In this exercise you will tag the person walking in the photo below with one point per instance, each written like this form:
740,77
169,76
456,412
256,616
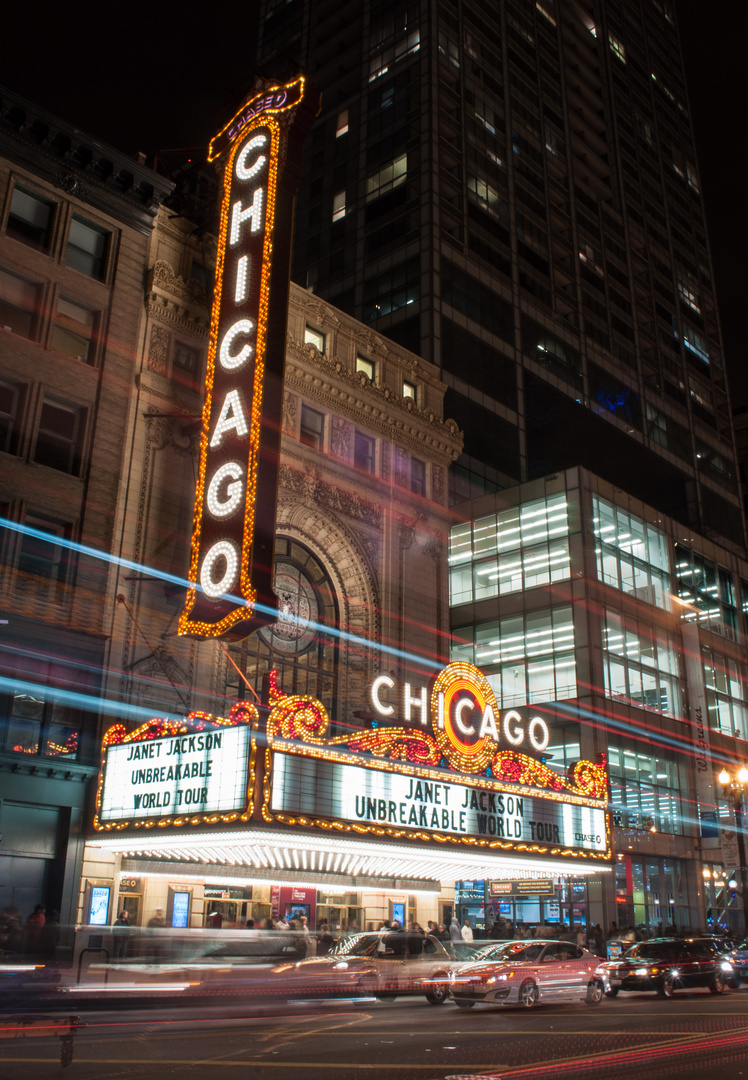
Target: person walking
121,935
454,929
34,925
467,931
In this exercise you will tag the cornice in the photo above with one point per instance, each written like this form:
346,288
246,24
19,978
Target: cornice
400,419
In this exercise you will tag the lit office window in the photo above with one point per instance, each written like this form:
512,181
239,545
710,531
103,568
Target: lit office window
617,47
517,548
314,337
645,791
640,664
725,681
388,177
631,555
338,206
528,658
706,593
342,124
366,367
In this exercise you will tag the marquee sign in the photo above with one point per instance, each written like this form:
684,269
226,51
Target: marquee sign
453,771
234,520
177,771
464,781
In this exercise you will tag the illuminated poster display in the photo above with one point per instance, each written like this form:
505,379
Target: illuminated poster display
234,520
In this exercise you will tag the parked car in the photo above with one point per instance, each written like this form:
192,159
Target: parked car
666,964
526,973
740,961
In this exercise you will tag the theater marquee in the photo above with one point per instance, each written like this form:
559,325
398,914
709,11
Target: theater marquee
234,520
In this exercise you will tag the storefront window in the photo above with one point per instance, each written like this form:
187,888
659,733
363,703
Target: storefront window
652,896
515,549
722,901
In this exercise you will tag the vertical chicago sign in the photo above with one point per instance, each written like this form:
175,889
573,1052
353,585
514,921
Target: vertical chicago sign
231,566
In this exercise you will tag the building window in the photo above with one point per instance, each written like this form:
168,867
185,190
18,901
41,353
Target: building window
645,791
366,366
380,64
695,344
19,302
689,295
10,412
631,555
30,219
342,124
315,337
617,47
73,330
392,290
186,358
312,431
527,658
409,390
388,177
59,436
484,194
338,206
640,664
417,476
706,593
40,556
363,452
724,680
37,724
88,248
515,549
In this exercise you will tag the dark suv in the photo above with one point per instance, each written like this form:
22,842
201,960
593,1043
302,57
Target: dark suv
668,964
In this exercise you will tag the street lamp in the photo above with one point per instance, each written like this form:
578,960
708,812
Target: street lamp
734,789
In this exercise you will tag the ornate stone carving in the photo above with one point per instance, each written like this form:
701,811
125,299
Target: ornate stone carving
340,438
190,292
437,484
308,485
401,467
290,402
158,350
386,457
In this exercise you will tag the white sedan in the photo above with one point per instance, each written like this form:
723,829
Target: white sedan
525,973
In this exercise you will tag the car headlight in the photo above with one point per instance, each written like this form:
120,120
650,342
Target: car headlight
342,965
726,965
644,971
496,978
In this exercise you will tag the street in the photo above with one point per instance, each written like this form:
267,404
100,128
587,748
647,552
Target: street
695,1035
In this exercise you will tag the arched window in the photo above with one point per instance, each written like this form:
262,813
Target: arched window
296,645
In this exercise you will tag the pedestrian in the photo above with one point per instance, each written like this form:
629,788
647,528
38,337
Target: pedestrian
454,929
11,929
49,938
121,935
250,924
326,940
158,920
466,933
34,925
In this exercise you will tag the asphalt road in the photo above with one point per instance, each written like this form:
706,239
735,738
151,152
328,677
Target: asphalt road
695,1035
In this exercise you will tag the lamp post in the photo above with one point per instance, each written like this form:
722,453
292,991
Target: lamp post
734,788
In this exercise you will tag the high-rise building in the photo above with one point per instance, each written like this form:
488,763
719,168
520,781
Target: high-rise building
511,191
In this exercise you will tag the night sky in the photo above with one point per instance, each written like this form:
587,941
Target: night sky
178,74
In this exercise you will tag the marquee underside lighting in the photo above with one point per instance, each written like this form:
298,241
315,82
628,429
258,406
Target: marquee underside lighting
291,853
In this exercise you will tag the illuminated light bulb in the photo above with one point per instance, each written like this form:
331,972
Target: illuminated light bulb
233,472
724,777
229,361
230,418
244,173
224,549
252,213
242,277
743,775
